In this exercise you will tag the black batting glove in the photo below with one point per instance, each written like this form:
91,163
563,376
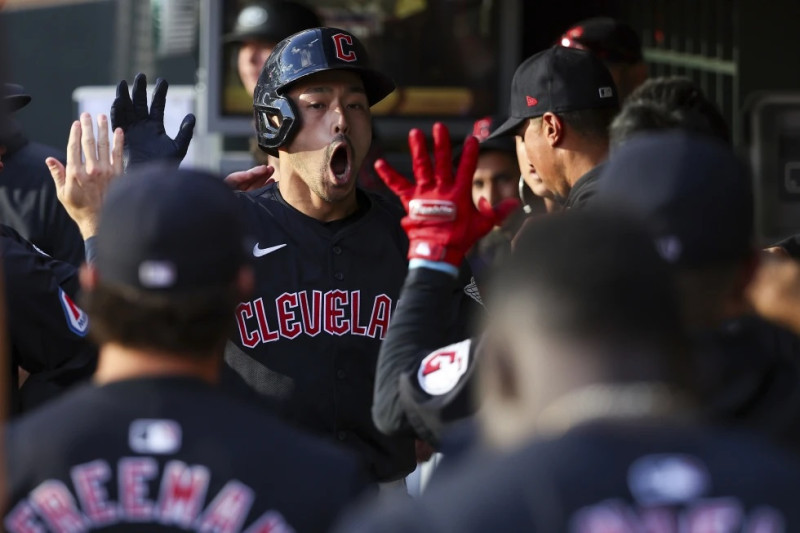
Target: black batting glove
145,137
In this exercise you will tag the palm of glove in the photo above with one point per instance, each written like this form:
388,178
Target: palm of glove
145,137
442,223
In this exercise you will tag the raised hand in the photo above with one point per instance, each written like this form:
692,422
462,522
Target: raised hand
250,180
442,222
145,137
91,165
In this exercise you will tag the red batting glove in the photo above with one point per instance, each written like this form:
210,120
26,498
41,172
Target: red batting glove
442,221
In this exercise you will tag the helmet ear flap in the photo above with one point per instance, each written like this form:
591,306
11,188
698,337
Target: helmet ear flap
276,121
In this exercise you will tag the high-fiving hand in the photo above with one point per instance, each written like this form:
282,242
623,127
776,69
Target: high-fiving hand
145,137
442,222
91,165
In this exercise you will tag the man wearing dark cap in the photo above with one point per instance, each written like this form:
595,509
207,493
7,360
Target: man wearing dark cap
616,44
562,101
588,406
259,27
697,198
27,198
151,444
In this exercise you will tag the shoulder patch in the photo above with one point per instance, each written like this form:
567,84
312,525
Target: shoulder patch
77,319
441,370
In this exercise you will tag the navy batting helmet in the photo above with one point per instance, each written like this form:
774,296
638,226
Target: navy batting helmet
296,57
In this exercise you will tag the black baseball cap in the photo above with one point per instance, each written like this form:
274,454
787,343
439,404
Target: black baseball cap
14,97
609,39
693,191
271,20
557,80
168,230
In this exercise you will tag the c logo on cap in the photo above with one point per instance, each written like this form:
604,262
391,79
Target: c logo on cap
338,41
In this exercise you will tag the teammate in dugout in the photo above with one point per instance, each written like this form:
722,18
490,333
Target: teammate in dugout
421,389
588,393
562,100
329,257
46,329
151,444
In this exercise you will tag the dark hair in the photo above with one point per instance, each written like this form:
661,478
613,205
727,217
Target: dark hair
596,278
668,103
591,123
195,324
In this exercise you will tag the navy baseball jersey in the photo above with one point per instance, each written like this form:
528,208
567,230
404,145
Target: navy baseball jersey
169,454
47,329
309,338
28,201
620,476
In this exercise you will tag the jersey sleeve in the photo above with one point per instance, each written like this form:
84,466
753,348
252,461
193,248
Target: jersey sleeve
47,329
416,379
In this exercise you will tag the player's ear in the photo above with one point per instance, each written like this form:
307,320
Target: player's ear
552,128
88,276
245,281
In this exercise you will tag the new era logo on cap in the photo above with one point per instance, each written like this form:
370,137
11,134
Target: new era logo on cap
531,101
606,92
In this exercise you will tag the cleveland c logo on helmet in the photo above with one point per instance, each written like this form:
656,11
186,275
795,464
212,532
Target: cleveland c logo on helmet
339,40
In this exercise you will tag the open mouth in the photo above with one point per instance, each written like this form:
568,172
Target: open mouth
340,163
534,176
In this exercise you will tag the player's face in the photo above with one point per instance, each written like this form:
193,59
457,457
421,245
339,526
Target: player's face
540,155
495,177
334,136
250,60
529,174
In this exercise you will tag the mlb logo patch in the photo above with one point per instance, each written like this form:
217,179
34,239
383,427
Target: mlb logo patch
606,92
77,319
154,436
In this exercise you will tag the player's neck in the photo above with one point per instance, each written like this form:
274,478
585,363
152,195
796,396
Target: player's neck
584,159
118,362
298,195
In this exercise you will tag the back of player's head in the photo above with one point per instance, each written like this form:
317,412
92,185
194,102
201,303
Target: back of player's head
563,81
585,300
668,103
591,278
170,253
692,190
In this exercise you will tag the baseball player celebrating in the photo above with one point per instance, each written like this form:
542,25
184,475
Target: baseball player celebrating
329,257
151,445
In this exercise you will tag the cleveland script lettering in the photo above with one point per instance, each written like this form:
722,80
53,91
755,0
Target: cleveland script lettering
310,313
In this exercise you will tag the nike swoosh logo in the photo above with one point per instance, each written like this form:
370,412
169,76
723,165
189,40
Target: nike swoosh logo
261,252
